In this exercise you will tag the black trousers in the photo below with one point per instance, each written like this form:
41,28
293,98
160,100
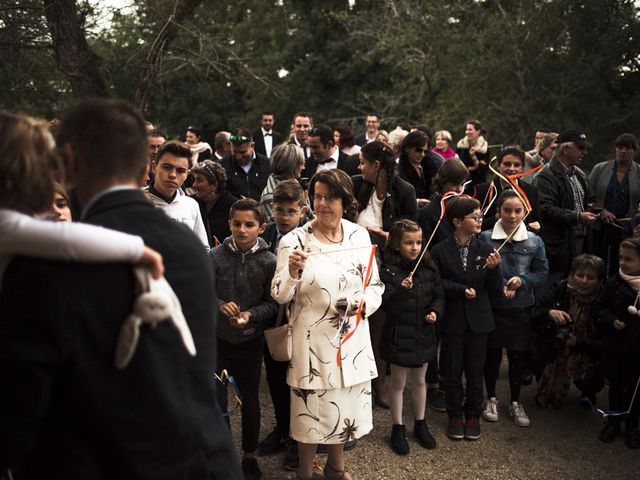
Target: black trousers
464,352
622,371
244,362
279,390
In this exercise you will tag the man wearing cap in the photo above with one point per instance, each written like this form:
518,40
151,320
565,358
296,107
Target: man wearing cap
326,154
247,171
565,197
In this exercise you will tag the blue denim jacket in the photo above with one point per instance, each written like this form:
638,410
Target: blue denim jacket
525,259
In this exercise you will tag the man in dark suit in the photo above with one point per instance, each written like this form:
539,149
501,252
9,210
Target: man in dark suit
265,137
326,154
247,170
302,123
373,127
66,411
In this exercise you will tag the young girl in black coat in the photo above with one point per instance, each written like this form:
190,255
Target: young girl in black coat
621,343
412,304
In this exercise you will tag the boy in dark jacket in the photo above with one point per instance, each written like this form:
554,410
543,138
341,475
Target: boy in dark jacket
469,268
289,211
244,269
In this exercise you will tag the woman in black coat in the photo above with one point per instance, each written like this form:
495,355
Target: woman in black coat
413,304
416,165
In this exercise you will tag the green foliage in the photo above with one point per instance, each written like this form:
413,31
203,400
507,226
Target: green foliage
514,64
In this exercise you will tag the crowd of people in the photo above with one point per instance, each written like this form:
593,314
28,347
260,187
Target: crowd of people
389,256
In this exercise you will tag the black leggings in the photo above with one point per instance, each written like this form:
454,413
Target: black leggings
492,367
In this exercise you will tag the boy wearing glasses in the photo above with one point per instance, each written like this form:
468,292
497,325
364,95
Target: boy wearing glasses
469,268
247,170
289,212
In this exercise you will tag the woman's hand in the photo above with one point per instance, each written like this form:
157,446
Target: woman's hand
377,231
153,261
407,283
618,325
431,317
534,227
560,317
297,259
493,260
470,293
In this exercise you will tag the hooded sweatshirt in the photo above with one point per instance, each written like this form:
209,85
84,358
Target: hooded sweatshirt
244,278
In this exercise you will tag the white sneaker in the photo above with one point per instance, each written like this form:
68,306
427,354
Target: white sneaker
490,410
519,417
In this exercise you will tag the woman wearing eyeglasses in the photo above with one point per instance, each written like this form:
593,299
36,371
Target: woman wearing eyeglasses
321,267
416,166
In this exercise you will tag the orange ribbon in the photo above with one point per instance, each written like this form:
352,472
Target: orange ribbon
367,277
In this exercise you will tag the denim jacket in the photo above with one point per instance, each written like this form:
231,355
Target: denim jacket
523,256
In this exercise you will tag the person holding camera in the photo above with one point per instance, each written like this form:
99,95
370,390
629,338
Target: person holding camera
570,344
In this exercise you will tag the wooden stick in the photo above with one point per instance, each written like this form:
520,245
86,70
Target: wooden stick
424,250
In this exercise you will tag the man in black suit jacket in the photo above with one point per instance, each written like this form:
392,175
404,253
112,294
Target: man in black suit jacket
247,170
66,411
265,137
327,155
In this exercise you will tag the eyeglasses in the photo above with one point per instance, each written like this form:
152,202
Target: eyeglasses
239,138
286,213
327,198
476,218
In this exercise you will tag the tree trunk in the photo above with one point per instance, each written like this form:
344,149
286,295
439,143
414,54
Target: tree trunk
73,55
168,32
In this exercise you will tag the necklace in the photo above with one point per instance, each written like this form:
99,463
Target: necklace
330,239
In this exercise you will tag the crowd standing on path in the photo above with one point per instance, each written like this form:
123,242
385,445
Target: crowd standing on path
384,255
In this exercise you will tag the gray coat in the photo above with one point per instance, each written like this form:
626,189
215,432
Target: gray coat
244,278
601,176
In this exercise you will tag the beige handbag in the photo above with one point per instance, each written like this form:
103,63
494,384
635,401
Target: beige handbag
279,339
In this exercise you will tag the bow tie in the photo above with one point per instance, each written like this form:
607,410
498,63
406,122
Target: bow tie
268,135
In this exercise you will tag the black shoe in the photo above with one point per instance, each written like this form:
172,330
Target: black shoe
610,431
632,438
272,443
350,445
398,440
472,429
436,400
291,460
455,430
422,434
251,469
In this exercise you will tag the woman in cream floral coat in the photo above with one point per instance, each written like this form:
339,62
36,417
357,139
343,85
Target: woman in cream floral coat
321,269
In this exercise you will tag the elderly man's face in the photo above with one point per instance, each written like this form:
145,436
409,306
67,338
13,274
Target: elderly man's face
575,153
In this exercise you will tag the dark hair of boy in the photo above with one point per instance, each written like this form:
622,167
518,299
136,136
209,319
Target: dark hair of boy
460,207
511,150
174,147
247,205
289,191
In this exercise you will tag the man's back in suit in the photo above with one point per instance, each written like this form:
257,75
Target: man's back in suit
66,411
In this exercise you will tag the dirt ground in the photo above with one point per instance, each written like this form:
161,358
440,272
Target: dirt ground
559,444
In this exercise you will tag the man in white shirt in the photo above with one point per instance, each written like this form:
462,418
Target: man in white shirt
221,145
171,169
373,127
302,122
265,137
